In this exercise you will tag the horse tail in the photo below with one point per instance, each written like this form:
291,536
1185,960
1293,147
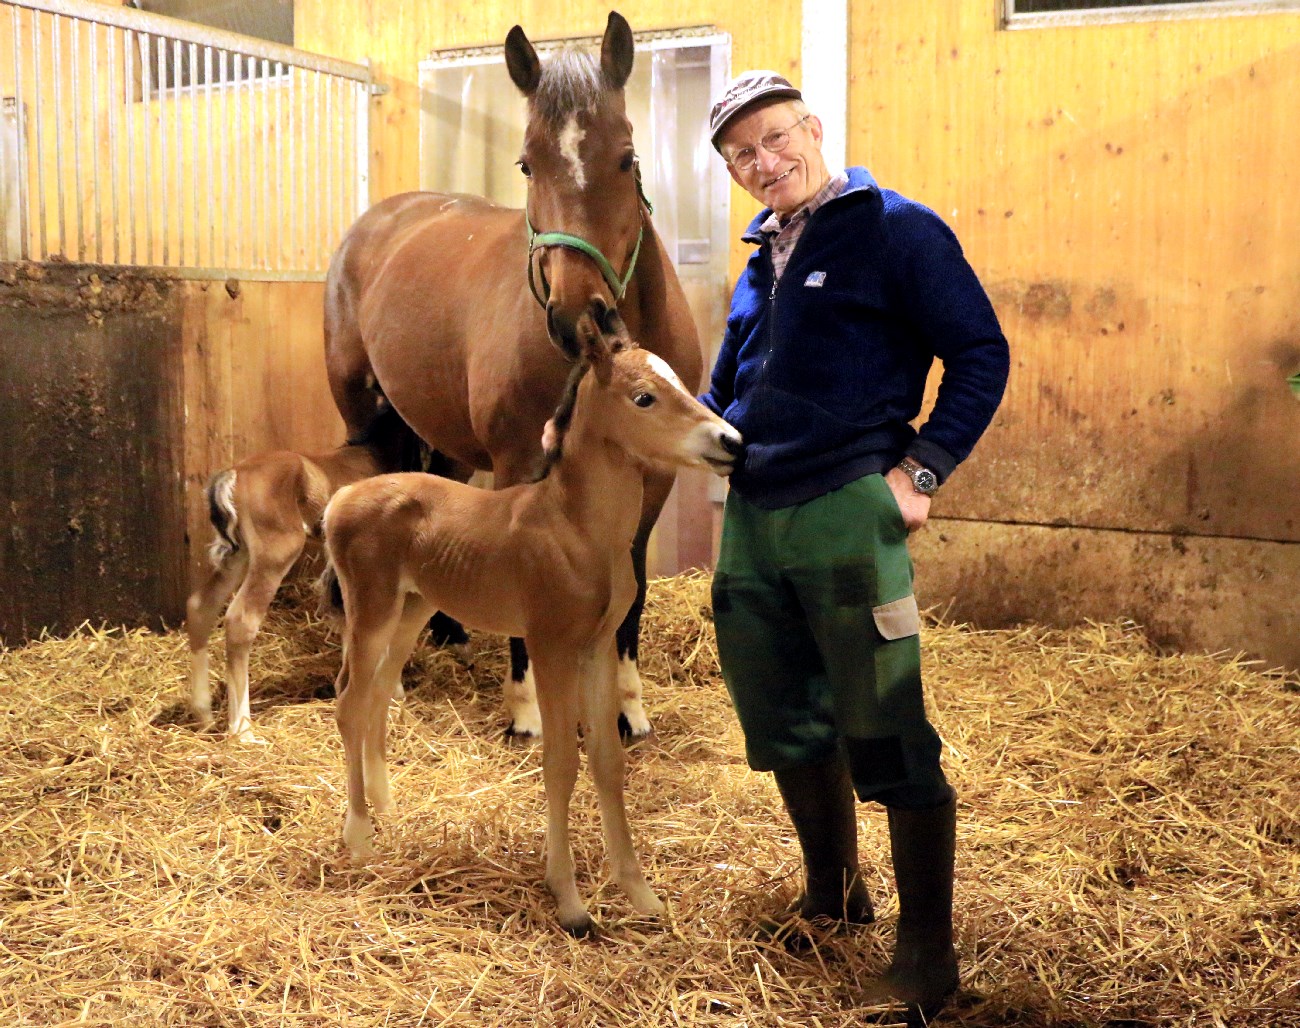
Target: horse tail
224,517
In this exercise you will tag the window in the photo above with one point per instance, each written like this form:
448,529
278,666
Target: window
1040,13
271,20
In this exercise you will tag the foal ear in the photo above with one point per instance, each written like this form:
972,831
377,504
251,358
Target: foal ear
521,60
617,50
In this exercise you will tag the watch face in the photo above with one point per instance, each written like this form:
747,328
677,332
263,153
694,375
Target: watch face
925,480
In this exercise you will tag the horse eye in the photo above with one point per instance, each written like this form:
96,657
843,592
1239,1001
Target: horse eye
628,163
528,173
643,399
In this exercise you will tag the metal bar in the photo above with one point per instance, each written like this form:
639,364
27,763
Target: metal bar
114,101
293,169
327,237
129,45
211,148
75,48
162,147
22,139
249,170
225,158
58,133
193,69
235,165
190,32
146,140
94,146
264,229
180,152
40,149
312,257
279,165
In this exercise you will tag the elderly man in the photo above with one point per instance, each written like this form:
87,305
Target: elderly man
850,295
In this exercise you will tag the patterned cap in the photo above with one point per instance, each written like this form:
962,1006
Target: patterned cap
743,91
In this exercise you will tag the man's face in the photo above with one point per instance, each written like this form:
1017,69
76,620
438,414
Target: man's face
783,181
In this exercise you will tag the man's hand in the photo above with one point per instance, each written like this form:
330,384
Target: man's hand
914,506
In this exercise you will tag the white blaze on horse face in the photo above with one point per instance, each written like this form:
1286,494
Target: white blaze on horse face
664,370
571,137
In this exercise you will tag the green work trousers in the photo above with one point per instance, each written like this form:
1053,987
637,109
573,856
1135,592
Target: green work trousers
818,634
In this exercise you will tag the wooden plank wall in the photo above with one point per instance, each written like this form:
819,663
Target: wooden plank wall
1127,193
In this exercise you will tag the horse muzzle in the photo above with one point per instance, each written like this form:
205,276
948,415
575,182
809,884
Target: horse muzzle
573,333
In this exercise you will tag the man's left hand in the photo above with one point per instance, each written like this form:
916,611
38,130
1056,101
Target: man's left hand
914,506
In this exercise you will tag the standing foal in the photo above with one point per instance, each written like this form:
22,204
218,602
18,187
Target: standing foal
263,510
547,561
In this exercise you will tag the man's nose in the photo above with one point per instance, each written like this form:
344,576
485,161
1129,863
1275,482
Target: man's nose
767,160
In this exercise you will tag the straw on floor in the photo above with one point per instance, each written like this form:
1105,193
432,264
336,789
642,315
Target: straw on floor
1129,844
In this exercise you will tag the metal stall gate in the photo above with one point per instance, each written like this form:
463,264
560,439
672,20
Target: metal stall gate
140,152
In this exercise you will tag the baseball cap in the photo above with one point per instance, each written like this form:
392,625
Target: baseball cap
742,91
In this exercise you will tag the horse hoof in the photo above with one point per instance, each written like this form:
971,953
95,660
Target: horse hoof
583,928
631,736
513,737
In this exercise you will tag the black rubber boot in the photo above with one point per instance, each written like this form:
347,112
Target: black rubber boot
819,799
923,973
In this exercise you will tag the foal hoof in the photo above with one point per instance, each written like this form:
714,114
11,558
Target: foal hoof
582,928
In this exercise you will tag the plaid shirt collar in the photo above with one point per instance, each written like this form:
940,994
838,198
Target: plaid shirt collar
773,226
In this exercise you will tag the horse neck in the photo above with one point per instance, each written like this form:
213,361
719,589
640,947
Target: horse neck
596,483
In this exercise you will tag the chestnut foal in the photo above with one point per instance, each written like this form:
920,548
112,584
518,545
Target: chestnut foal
549,561
263,509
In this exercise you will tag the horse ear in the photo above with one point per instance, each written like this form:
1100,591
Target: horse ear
521,60
617,50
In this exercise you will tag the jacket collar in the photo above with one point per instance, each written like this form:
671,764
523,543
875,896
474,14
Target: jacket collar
859,180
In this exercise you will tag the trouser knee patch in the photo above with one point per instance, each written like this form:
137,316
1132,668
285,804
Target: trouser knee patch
876,763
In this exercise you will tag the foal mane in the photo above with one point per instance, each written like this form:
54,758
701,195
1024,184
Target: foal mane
562,418
571,81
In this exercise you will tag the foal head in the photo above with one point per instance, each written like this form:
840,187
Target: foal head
627,397
583,183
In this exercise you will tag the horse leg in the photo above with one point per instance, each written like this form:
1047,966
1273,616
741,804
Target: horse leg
605,759
632,721
395,656
521,696
266,570
366,639
201,612
558,699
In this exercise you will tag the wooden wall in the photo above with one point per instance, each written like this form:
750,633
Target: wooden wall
1127,194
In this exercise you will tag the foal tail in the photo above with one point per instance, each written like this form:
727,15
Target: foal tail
224,517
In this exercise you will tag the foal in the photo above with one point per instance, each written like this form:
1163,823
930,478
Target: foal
263,510
548,561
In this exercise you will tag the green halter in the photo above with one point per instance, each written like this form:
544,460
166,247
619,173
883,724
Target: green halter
542,240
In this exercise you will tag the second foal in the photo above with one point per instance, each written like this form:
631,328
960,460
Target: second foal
549,561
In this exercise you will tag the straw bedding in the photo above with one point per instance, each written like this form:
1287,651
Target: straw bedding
1129,845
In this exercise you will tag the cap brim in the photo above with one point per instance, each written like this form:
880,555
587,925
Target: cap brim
774,93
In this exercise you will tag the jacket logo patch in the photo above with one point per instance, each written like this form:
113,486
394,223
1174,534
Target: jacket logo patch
815,279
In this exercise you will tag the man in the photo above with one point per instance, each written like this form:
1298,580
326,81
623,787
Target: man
851,294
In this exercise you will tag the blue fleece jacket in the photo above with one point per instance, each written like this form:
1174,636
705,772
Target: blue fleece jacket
823,373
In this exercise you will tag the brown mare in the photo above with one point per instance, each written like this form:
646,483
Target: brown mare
549,561
263,509
428,303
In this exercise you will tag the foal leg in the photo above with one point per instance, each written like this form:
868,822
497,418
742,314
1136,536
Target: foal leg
363,648
201,613
605,759
388,680
266,571
559,703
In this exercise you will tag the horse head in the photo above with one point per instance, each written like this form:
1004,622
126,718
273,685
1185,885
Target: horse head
585,206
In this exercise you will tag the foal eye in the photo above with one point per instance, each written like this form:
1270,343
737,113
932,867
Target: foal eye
528,173
643,399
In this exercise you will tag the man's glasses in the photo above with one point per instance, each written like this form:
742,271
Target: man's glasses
745,159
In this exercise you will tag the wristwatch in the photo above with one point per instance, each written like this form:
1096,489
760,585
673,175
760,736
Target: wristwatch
923,479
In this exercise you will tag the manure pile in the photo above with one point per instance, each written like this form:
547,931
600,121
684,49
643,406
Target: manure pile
1128,852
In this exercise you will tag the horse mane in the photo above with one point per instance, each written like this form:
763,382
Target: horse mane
571,81
562,418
